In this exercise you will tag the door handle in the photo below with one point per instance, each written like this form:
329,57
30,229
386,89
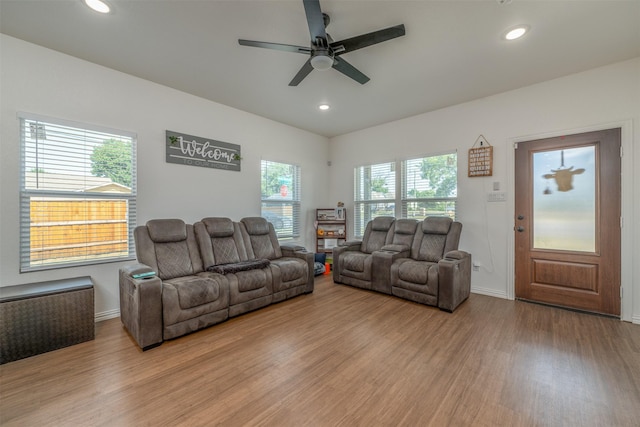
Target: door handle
520,229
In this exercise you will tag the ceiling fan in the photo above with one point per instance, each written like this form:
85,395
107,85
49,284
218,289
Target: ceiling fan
324,53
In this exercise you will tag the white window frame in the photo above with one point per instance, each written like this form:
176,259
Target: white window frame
400,197
283,212
369,203
80,137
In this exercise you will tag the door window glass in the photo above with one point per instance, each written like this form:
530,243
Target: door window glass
564,199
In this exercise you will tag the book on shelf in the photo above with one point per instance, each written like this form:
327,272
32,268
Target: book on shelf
330,243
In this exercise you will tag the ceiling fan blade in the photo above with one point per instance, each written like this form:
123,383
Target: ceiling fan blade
276,46
349,70
364,40
304,72
314,19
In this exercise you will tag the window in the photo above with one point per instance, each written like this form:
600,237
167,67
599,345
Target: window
429,186
426,186
77,194
375,193
280,188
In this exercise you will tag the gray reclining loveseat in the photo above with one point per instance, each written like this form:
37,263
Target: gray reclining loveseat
418,261
204,274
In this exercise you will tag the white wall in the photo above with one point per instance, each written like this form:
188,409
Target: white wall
594,99
41,81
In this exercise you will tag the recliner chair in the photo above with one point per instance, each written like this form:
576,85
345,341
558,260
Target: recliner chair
180,298
353,261
436,272
291,265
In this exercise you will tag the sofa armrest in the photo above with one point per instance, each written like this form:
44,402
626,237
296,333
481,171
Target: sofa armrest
381,266
351,245
292,247
141,305
294,251
452,255
297,251
454,279
395,248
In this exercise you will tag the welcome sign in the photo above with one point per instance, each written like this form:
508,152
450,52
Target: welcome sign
192,150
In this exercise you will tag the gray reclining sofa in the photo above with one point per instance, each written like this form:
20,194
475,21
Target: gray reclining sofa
414,260
204,274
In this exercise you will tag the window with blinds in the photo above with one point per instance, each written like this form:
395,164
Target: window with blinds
426,186
280,189
429,186
375,194
77,194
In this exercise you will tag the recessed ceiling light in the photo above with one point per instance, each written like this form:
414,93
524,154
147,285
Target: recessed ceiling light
324,107
516,32
98,6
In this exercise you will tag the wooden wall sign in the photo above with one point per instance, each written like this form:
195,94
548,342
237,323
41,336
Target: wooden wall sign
481,158
196,151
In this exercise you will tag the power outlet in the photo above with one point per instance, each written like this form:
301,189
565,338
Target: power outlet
476,266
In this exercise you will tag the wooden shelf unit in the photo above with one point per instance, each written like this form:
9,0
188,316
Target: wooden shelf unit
331,230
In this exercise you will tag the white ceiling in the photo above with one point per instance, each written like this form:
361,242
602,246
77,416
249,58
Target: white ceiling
452,51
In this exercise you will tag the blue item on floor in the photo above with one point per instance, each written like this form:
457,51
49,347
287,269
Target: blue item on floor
318,265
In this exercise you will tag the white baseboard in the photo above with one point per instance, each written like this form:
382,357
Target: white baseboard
106,315
636,319
489,292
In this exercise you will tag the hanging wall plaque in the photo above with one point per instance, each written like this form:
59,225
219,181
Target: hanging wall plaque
481,158
192,150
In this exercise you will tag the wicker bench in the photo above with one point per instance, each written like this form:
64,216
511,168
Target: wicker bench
39,317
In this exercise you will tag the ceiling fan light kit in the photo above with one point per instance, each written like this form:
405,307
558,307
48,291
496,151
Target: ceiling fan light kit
321,62
324,53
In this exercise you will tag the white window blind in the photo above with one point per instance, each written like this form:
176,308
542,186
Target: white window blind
429,186
280,188
77,194
375,194
426,186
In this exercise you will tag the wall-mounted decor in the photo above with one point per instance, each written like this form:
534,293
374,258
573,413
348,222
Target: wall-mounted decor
192,150
481,158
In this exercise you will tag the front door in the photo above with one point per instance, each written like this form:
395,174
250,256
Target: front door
567,221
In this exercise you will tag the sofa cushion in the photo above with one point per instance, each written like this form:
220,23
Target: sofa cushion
415,271
404,230
431,238
261,238
405,226
194,290
219,227
436,225
292,269
254,279
377,234
173,260
431,248
167,230
382,223
225,250
256,226
355,261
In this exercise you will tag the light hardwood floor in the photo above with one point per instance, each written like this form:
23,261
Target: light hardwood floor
344,356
